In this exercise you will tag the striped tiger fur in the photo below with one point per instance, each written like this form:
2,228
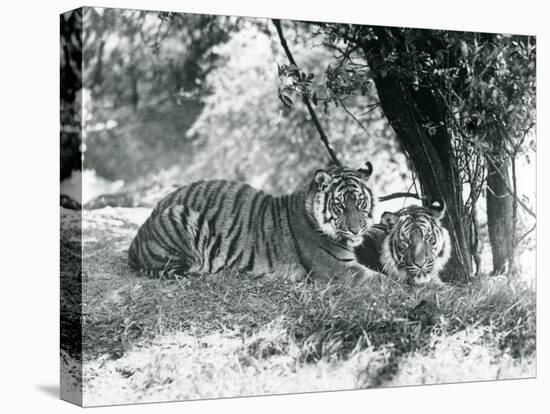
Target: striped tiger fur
410,245
209,226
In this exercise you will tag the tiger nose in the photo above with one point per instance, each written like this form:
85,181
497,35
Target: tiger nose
419,260
355,224
419,255
419,251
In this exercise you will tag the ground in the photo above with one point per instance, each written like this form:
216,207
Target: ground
229,334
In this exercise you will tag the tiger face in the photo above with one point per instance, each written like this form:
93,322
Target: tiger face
417,247
342,203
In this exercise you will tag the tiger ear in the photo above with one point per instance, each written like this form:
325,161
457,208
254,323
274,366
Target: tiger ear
437,208
389,219
367,171
323,180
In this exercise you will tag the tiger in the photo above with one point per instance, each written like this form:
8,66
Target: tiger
410,245
215,225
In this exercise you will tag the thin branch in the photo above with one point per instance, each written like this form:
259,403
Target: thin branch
521,203
158,40
525,235
310,109
400,195
500,196
512,267
474,240
352,115
413,184
371,107
522,139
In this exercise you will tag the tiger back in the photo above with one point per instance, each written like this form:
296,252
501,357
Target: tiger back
210,226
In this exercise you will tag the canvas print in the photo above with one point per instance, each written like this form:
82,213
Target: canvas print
254,206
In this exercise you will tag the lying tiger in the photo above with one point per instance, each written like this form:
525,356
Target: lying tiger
409,245
210,226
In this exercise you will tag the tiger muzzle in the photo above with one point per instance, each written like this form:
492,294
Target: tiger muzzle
355,220
419,264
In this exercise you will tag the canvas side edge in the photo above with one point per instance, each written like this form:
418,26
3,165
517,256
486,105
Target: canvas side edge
71,210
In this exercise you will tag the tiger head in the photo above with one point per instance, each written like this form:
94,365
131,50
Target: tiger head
417,247
341,203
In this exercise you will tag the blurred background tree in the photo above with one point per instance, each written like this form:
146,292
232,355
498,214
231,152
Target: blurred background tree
143,74
69,94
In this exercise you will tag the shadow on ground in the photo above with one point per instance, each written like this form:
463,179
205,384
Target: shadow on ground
49,389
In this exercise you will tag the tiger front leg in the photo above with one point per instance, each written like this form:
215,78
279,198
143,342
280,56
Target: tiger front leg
293,273
437,283
297,274
361,274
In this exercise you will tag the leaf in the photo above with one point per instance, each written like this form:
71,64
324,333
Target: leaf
293,68
314,98
286,100
286,111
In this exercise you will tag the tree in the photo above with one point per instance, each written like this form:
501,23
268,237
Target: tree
422,125
461,105
143,79
499,100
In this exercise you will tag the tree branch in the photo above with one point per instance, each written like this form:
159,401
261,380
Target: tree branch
521,203
400,195
516,243
312,113
352,115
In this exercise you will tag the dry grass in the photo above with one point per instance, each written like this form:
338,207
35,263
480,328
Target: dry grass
227,335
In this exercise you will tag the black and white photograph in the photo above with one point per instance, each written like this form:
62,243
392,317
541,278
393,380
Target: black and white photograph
253,206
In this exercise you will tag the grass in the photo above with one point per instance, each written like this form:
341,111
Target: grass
228,334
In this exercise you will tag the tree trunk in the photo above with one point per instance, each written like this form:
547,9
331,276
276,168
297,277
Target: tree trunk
438,175
500,215
431,154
